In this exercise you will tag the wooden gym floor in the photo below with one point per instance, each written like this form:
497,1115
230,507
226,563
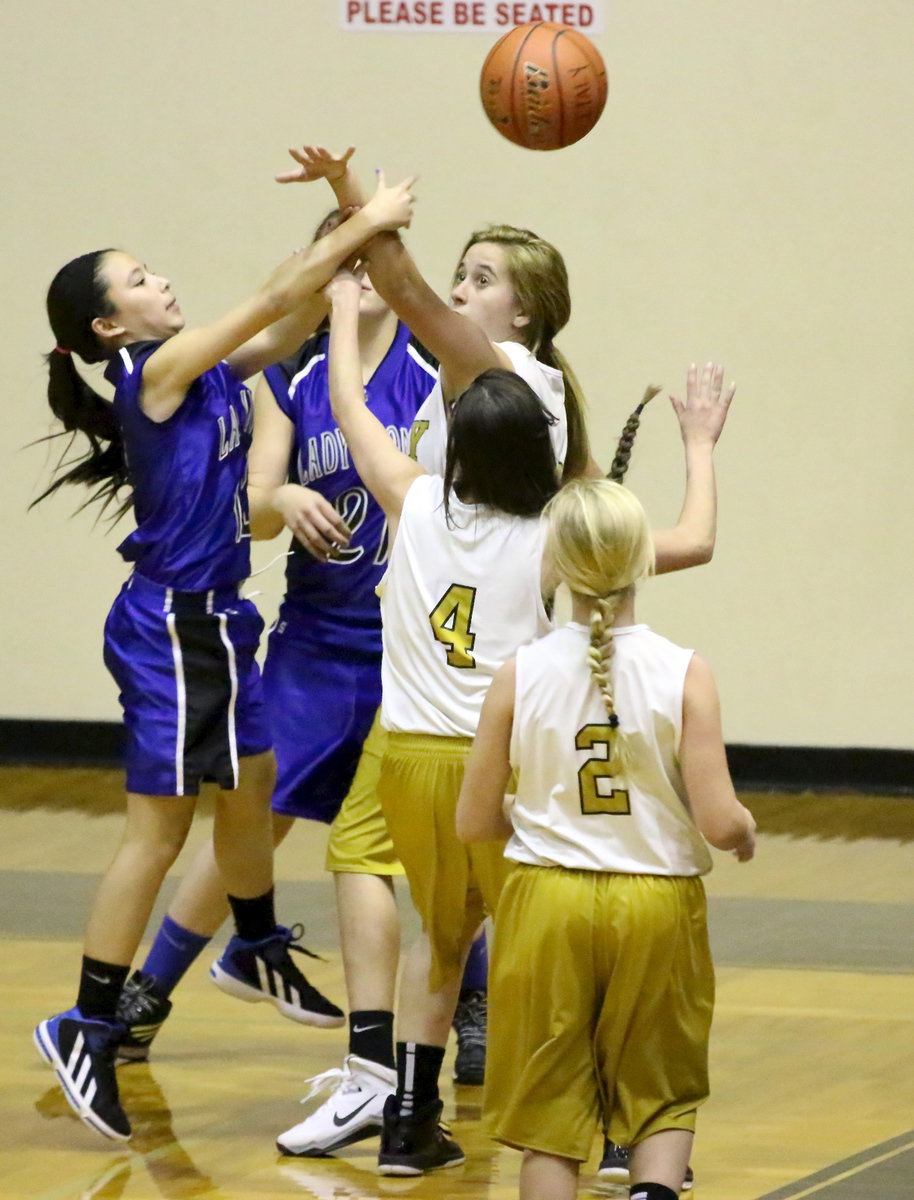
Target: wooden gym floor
813,1048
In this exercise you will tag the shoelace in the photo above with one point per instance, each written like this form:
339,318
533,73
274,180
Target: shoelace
471,1022
340,1077
140,1000
293,936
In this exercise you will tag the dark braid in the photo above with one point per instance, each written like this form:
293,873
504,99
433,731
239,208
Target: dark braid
77,295
624,448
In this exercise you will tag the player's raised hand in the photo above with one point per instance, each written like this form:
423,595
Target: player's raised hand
316,162
703,412
391,207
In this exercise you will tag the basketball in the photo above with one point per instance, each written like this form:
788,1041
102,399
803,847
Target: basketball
543,86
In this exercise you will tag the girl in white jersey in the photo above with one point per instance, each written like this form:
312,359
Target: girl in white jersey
601,978
508,302
461,593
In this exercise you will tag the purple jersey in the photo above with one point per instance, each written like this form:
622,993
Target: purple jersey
188,476
333,604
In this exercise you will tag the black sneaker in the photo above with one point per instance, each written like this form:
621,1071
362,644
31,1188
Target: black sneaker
614,1166
417,1143
470,1026
143,1011
81,1051
264,970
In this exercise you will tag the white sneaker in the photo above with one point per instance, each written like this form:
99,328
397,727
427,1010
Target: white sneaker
352,1112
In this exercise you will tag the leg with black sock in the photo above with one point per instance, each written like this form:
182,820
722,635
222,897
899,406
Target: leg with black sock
651,1191
257,965
418,1070
370,942
413,1140
660,1161
80,1044
255,917
100,985
371,1036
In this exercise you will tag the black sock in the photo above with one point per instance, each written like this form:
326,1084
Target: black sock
651,1191
371,1035
418,1068
255,919
100,985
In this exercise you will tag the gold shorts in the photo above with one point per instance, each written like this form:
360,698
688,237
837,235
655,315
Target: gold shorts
359,842
452,886
601,991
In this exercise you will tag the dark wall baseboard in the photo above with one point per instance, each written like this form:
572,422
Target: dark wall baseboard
35,743
822,768
754,768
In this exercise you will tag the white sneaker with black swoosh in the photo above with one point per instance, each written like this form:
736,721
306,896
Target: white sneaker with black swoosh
353,1111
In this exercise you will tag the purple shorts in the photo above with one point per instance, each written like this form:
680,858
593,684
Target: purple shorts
189,685
321,704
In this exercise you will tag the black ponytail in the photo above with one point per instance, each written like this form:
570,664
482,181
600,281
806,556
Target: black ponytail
629,432
77,295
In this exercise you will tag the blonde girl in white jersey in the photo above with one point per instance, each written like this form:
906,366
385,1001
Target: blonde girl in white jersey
508,302
601,978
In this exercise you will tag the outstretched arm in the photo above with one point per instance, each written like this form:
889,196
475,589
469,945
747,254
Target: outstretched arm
480,809
701,419
180,360
385,470
460,346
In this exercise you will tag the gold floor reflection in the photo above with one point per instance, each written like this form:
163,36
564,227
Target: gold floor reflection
813,1038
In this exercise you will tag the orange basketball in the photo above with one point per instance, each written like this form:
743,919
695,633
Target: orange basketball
543,85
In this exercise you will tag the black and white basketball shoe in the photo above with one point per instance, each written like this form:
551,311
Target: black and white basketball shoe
81,1051
264,970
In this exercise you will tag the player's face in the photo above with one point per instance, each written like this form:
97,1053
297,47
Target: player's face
483,291
144,305
370,303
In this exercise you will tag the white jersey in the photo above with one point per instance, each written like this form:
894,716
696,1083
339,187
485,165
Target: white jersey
568,811
457,600
428,439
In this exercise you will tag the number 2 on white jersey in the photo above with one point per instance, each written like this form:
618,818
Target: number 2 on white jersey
594,798
450,619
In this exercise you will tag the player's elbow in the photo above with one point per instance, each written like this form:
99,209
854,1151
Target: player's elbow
728,832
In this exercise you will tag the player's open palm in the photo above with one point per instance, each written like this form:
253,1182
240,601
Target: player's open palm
316,162
704,410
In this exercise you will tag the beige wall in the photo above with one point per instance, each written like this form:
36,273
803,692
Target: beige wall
747,197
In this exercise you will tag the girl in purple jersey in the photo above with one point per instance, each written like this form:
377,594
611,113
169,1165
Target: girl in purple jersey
179,639
322,674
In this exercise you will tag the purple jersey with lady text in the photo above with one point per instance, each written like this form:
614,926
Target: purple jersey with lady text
333,604
189,476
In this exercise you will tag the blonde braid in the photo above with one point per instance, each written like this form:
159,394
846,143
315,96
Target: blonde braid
600,657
